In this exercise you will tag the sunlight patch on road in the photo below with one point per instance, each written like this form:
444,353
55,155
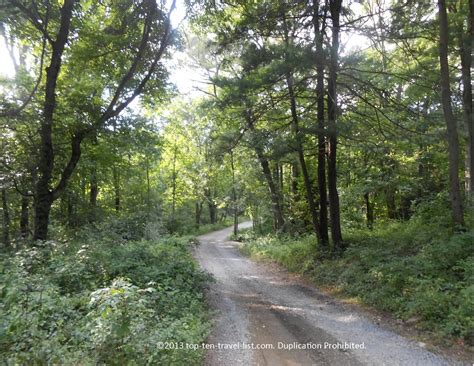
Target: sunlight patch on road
347,318
284,308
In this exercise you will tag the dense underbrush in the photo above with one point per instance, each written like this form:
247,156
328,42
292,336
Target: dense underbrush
415,269
102,298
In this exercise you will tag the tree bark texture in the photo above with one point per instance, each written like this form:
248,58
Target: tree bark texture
335,10
322,186
44,197
466,46
451,126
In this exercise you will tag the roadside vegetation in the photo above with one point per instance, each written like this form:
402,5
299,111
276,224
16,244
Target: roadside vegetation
416,270
103,296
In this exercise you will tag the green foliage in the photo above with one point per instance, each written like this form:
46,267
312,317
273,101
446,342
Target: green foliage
189,166
409,269
91,301
295,254
207,228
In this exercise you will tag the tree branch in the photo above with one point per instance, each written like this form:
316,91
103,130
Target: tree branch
17,111
111,112
34,19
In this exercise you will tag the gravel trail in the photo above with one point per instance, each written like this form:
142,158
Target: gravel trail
268,308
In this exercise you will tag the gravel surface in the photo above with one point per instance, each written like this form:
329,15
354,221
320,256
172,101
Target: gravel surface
267,308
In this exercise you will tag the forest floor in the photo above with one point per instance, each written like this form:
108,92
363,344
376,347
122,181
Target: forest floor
262,311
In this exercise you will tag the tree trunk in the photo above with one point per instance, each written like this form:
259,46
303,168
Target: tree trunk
322,188
94,186
274,194
451,127
405,207
25,217
198,211
466,47
369,212
253,216
148,186
300,150
234,195
174,177
295,174
211,205
43,196
6,219
335,9
390,203
43,202
117,189
212,211
94,191
223,215
276,173
282,179
236,221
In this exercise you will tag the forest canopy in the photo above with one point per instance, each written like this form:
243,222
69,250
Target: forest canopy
348,109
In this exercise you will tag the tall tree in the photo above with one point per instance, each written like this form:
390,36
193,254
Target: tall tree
335,7
25,217
466,42
44,197
235,207
451,125
272,186
135,48
288,39
322,186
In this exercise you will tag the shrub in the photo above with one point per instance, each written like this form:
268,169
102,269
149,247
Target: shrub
93,300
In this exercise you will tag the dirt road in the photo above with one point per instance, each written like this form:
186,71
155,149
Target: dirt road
259,307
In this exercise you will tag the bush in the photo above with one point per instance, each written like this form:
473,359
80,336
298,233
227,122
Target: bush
93,300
